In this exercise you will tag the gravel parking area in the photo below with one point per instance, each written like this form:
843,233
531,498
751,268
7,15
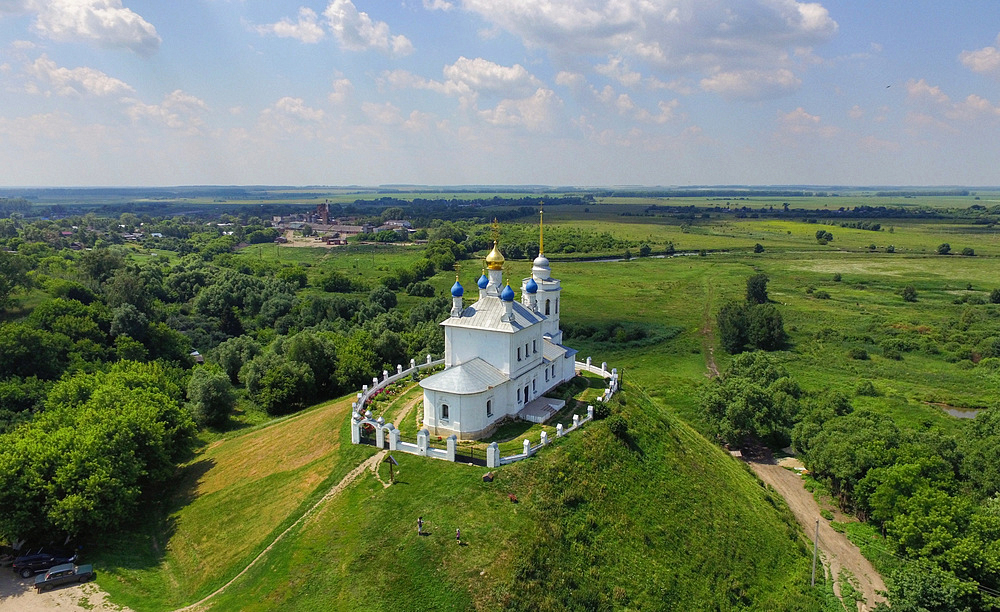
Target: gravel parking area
18,595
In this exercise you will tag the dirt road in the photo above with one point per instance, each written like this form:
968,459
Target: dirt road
837,550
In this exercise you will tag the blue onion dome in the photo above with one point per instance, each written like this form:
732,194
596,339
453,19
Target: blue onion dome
508,294
483,282
456,290
531,286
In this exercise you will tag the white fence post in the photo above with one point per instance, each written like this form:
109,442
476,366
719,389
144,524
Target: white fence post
493,455
559,430
590,412
452,442
422,437
526,445
356,429
545,438
576,421
393,439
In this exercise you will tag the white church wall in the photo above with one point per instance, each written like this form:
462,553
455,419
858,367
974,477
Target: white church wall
465,344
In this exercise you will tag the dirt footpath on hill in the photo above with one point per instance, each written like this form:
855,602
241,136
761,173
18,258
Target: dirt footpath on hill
18,595
837,550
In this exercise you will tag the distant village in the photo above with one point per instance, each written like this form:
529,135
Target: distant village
323,227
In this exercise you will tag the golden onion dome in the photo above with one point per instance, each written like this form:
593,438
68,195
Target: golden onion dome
494,261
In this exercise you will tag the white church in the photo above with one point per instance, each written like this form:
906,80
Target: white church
500,356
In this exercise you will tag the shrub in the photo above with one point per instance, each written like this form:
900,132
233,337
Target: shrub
858,353
758,248
866,388
944,248
890,249
757,289
420,289
969,252
836,277
826,514
995,296
618,426
909,293
821,295
601,410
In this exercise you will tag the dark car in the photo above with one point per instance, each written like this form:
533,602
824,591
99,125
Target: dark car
40,560
63,574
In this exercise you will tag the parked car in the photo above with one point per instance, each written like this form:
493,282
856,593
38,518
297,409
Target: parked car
40,560
63,574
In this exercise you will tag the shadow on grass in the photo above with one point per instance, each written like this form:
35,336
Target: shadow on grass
142,544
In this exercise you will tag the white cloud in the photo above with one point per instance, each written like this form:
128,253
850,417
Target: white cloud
617,69
722,36
798,122
922,90
483,75
983,61
570,79
179,111
752,84
385,114
296,107
342,89
291,117
856,112
438,5
665,114
306,29
76,81
534,113
105,23
356,31
973,108
468,78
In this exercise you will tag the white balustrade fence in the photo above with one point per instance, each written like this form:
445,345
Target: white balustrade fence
387,432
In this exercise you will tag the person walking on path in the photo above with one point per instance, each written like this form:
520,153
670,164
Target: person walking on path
420,525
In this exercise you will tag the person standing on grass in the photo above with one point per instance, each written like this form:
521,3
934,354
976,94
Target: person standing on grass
458,536
420,525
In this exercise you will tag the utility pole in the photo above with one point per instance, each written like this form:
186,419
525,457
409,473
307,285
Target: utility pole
815,551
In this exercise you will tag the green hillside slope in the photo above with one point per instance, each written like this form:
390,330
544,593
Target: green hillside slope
661,520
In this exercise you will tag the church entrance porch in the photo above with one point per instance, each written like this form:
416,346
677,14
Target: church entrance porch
541,409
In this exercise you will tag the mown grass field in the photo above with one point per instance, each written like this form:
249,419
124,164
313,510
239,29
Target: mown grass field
231,500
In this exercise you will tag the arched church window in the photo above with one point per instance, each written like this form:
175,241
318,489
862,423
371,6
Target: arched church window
444,412
534,346
489,408
547,306
519,353
519,396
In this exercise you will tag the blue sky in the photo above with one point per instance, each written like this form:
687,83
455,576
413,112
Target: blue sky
459,92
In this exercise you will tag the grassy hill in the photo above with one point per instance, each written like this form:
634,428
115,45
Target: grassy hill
660,520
